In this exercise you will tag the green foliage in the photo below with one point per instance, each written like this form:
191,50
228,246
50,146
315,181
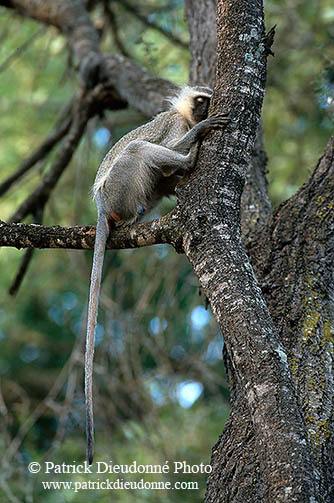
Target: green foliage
296,117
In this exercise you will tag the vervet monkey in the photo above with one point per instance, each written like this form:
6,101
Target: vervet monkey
142,167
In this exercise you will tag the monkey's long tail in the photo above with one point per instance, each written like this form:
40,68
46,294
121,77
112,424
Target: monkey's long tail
102,232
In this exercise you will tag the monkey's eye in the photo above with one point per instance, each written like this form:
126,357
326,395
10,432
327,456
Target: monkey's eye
199,100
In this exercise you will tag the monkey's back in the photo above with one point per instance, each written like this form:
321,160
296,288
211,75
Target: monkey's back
163,129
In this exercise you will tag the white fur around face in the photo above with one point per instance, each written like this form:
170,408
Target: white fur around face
183,102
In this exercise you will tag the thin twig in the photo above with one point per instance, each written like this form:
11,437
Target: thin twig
19,50
151,24
114,27
41,407
21,272
39,197
61,128
25,261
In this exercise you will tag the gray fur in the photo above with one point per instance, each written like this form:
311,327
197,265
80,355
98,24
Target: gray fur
136,173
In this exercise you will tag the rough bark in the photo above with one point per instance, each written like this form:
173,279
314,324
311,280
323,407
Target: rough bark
293,258
255,204
235,455
212,243
237,472
82,238
201,19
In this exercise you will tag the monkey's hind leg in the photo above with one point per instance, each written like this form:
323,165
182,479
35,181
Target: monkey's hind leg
163,159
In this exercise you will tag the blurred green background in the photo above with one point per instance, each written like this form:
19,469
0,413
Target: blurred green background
160,387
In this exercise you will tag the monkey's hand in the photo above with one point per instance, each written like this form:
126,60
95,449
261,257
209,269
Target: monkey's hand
215,122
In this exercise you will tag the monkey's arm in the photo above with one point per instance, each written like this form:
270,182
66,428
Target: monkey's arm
196,133
175,156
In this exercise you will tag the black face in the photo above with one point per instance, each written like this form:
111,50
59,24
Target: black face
201,108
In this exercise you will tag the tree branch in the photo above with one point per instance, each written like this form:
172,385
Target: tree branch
27,257
83,237
19,50
115,29
37,199
121,80
135,85
73,20
152,24
201,20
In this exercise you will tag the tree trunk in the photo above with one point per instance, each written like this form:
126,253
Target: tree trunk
293,260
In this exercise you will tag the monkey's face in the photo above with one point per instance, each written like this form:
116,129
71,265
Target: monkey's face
201,108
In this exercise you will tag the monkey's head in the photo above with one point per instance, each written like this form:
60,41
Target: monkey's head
192,103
